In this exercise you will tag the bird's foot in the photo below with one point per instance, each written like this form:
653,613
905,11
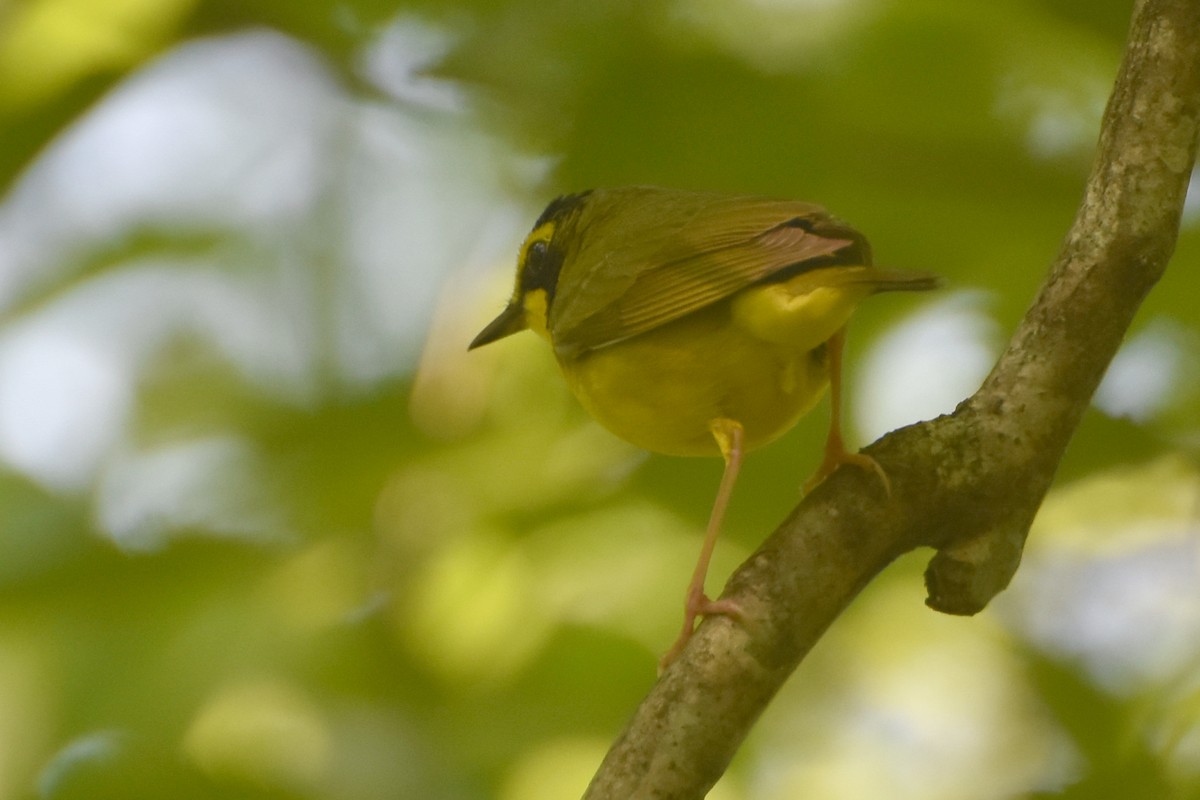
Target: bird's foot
697,605
836,456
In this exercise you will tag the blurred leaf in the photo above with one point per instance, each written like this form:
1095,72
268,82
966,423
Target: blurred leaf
1117,762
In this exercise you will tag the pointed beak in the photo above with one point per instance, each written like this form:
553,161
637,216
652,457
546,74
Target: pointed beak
510,321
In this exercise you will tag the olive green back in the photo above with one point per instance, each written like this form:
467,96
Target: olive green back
635,258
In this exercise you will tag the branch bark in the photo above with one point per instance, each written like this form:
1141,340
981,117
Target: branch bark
967,484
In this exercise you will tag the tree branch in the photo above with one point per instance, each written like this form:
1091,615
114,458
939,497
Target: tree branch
968,483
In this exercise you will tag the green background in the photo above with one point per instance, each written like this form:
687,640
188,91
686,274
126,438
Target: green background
268,531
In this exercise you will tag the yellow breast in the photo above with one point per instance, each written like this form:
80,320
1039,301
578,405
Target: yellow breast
757,358
662,389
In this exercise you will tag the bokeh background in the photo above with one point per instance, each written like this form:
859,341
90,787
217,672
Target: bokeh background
267,530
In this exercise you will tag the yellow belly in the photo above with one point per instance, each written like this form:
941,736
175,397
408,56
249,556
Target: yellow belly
661,390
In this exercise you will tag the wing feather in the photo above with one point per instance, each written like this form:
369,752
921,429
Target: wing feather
639,273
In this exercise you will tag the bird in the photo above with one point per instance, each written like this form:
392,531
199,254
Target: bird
694,323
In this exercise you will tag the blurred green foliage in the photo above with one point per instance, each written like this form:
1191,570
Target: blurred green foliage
267,531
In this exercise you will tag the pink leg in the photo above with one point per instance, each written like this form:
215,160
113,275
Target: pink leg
729,435
836,453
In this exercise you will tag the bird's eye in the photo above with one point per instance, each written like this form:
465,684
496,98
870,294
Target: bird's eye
537,251
537,263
